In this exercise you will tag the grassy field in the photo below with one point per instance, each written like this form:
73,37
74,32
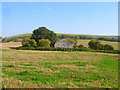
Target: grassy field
48,69
85,43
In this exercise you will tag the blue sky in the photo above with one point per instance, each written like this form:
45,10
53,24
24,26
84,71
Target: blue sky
93,18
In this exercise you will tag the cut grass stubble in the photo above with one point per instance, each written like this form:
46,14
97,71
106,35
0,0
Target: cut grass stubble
59,69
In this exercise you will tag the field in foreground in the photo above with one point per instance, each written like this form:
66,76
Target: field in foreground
33,69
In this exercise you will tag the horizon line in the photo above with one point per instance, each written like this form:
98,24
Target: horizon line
64,33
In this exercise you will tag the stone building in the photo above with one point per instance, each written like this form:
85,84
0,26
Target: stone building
64,43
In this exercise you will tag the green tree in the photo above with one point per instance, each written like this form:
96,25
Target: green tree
44,33
63,36
108,47
76,37
33,43
26,42
44,43
94,44
80,46
75,46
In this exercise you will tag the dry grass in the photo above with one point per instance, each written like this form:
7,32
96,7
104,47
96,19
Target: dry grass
41,69
11,44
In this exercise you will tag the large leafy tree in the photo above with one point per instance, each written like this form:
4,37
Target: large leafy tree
44,33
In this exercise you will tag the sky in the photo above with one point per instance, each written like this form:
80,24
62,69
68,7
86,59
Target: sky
92,18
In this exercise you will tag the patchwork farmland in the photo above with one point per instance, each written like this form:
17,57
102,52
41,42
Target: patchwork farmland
57,69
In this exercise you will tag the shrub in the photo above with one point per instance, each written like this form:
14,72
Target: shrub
33,43
44,43
75,46
107,47
28,48
80,46
94,44
62,49
18,48
42,48
81,49
26,42
101,47
67,49
109,51
25,48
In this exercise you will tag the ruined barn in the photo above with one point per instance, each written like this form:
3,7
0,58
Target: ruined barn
64,43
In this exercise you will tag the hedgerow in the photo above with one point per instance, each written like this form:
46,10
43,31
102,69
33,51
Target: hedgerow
53,49
67,49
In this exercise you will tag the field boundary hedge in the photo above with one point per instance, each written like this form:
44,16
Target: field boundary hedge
67,49
53,49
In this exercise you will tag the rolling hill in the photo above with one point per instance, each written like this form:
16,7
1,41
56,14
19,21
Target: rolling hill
18,38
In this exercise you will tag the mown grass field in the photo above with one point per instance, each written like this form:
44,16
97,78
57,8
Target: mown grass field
48,69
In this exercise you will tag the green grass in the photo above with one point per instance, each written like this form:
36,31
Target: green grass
23,69
85,40
20,35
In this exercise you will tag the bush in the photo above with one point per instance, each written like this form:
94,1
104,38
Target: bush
67,49
25,48
26,42
33,43
28,48
53,49
81,49
107,47
18,48
75,46
109,51
44,43
42,48
80,46
94,44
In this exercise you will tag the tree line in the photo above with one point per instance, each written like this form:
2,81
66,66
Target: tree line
89,37
43,37
19,38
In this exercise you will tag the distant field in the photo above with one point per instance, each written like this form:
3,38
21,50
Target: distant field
85,43
55,69
18,38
